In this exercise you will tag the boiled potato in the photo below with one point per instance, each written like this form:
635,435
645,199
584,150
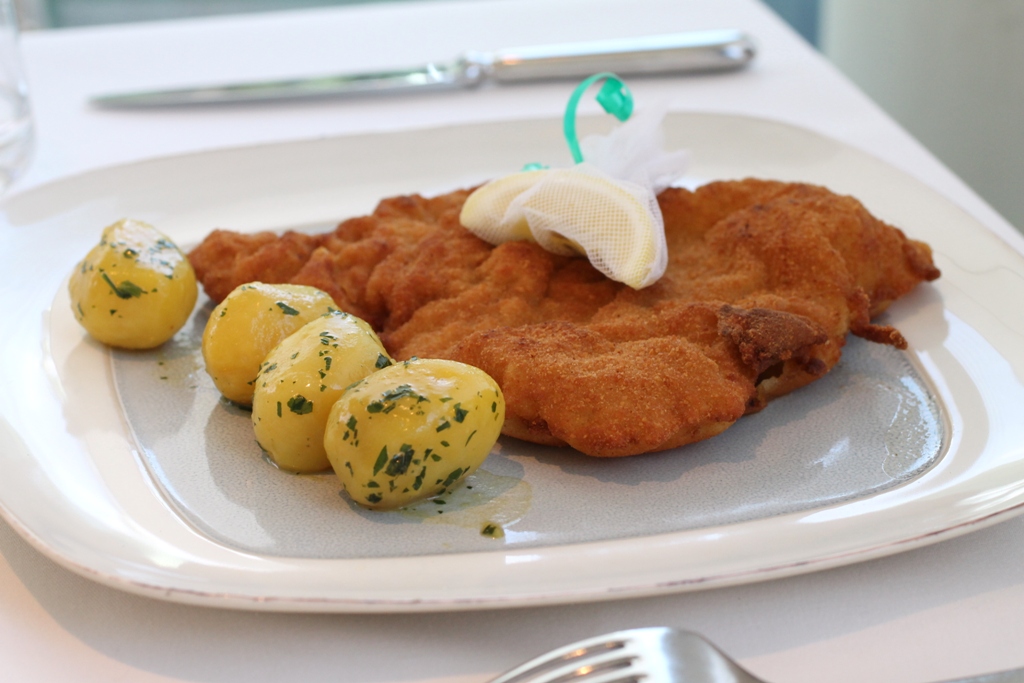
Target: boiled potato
302,378
134,289
412,431
251,321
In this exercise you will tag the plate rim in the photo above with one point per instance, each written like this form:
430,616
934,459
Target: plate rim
223,596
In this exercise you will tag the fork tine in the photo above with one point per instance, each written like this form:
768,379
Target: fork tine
605,668
564,660
610,658
651,655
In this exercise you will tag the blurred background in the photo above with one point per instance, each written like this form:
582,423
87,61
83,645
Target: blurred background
950,71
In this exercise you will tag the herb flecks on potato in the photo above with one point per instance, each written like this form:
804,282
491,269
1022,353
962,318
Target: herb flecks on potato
245,326
133,290
412,431
302,378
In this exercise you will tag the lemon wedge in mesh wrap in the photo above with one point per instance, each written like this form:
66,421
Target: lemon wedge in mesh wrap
616,224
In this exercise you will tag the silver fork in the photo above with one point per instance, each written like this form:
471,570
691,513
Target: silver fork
655,655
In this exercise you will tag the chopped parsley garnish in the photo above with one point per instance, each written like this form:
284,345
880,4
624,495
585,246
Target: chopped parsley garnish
374,498
419,479
382,460
300,405
126,290
286,309
443,426
382,361
401,391
387,401
460,413
453,477
399,463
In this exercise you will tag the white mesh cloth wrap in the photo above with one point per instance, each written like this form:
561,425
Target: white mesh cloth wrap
605,208
635,151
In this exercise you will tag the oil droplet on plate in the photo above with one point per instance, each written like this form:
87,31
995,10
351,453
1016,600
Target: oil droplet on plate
484,499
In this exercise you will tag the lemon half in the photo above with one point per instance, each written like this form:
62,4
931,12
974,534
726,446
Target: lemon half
617,225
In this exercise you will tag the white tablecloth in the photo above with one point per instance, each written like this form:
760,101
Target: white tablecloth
947,610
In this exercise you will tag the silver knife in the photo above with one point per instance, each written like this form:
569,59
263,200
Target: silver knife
675,53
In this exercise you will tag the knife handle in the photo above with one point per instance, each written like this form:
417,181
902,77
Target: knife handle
674,53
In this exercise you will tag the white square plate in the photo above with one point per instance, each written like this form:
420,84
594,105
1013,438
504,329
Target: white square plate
89,475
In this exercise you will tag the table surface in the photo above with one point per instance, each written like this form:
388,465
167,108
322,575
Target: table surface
947,610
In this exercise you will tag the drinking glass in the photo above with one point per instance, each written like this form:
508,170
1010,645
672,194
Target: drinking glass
15,110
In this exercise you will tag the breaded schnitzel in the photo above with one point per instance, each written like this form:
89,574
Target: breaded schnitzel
764,281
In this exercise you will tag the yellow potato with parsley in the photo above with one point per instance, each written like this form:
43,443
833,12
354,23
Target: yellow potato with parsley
302,378
412,431
247,324
135,289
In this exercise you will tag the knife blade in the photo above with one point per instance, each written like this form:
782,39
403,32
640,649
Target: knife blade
691,52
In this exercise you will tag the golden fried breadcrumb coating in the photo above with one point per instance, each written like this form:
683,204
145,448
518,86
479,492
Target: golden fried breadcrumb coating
765,279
